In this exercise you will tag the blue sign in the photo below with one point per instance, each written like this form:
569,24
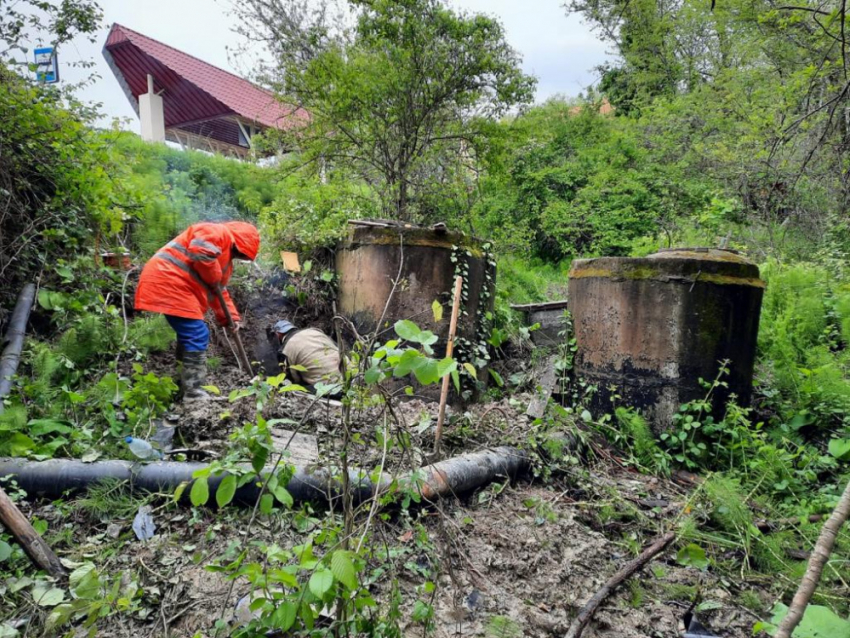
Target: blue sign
46,65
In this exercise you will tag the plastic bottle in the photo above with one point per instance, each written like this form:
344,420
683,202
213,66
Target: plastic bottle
142,448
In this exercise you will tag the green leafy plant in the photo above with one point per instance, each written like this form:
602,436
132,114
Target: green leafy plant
692,555
502,627
818,622
392,360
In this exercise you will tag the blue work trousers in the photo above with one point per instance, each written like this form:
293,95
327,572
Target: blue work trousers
192,334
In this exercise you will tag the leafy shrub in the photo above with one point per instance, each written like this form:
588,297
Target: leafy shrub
802,341
60,181
307,213
179,188
150,333
573,182
92,337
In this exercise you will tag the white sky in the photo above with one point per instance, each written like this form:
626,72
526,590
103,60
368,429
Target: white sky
560,51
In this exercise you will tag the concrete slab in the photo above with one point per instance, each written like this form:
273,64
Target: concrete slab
304,448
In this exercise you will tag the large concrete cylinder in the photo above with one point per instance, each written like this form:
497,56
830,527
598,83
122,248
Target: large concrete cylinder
648,329
424,262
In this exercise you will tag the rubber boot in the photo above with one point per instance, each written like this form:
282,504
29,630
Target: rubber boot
194,376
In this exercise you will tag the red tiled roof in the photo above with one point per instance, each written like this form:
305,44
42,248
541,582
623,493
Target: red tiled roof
605,108
193,91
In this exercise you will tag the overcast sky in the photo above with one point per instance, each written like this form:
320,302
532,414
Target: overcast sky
560,51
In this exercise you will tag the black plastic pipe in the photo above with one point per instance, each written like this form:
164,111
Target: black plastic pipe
464,473
13,341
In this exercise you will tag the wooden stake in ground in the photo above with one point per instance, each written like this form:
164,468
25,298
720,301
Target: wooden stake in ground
586,613
450,346
33,544
817,561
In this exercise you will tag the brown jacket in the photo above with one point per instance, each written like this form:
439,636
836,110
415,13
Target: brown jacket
313,350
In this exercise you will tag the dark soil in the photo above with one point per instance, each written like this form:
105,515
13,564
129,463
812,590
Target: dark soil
519,556
509,560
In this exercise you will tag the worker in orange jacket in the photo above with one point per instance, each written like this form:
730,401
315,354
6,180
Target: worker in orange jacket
181,280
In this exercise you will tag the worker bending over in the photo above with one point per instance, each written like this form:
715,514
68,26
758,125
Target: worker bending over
182,281
314,355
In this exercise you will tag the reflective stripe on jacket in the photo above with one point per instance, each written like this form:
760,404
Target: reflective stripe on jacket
181,277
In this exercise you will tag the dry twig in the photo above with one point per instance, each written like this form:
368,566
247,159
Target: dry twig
586,613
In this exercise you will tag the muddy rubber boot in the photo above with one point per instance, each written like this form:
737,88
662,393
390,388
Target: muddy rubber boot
194,376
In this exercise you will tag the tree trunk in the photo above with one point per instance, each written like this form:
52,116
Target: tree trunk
820,555
402,200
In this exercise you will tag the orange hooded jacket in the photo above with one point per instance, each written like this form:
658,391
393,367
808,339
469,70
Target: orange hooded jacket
181,277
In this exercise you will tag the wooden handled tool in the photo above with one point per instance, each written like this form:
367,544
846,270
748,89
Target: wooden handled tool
231,325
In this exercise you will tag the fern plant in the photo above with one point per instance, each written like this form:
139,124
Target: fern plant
502,627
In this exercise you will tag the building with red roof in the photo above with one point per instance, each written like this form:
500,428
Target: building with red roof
182,99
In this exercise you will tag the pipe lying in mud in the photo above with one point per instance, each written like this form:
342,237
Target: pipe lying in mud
14,340
457,475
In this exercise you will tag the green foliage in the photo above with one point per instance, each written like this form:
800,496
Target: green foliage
817,622
729,92
300,584
641,440
692,555
94,596
39,438
502,627
575,182
804,349
308,213
111,500
61,180
70,402
150,333
522,281
20,20
390,360
381,99
149,394
178,188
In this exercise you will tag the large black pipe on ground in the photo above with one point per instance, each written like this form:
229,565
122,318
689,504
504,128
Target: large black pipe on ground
458,475
13,341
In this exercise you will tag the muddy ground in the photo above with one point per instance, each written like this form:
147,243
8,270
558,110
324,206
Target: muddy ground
523,556
509,560
513,559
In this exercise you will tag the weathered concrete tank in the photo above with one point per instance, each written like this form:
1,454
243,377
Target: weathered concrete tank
550,316
424,261
647,329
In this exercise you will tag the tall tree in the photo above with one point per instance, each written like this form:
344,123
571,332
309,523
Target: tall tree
750,92
399,91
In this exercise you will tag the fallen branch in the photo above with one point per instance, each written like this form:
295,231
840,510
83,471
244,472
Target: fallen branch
18,526
820,555
578,625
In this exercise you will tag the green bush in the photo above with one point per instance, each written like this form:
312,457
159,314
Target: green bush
572,182
61,182
308,213
178,188
150,333
803,344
